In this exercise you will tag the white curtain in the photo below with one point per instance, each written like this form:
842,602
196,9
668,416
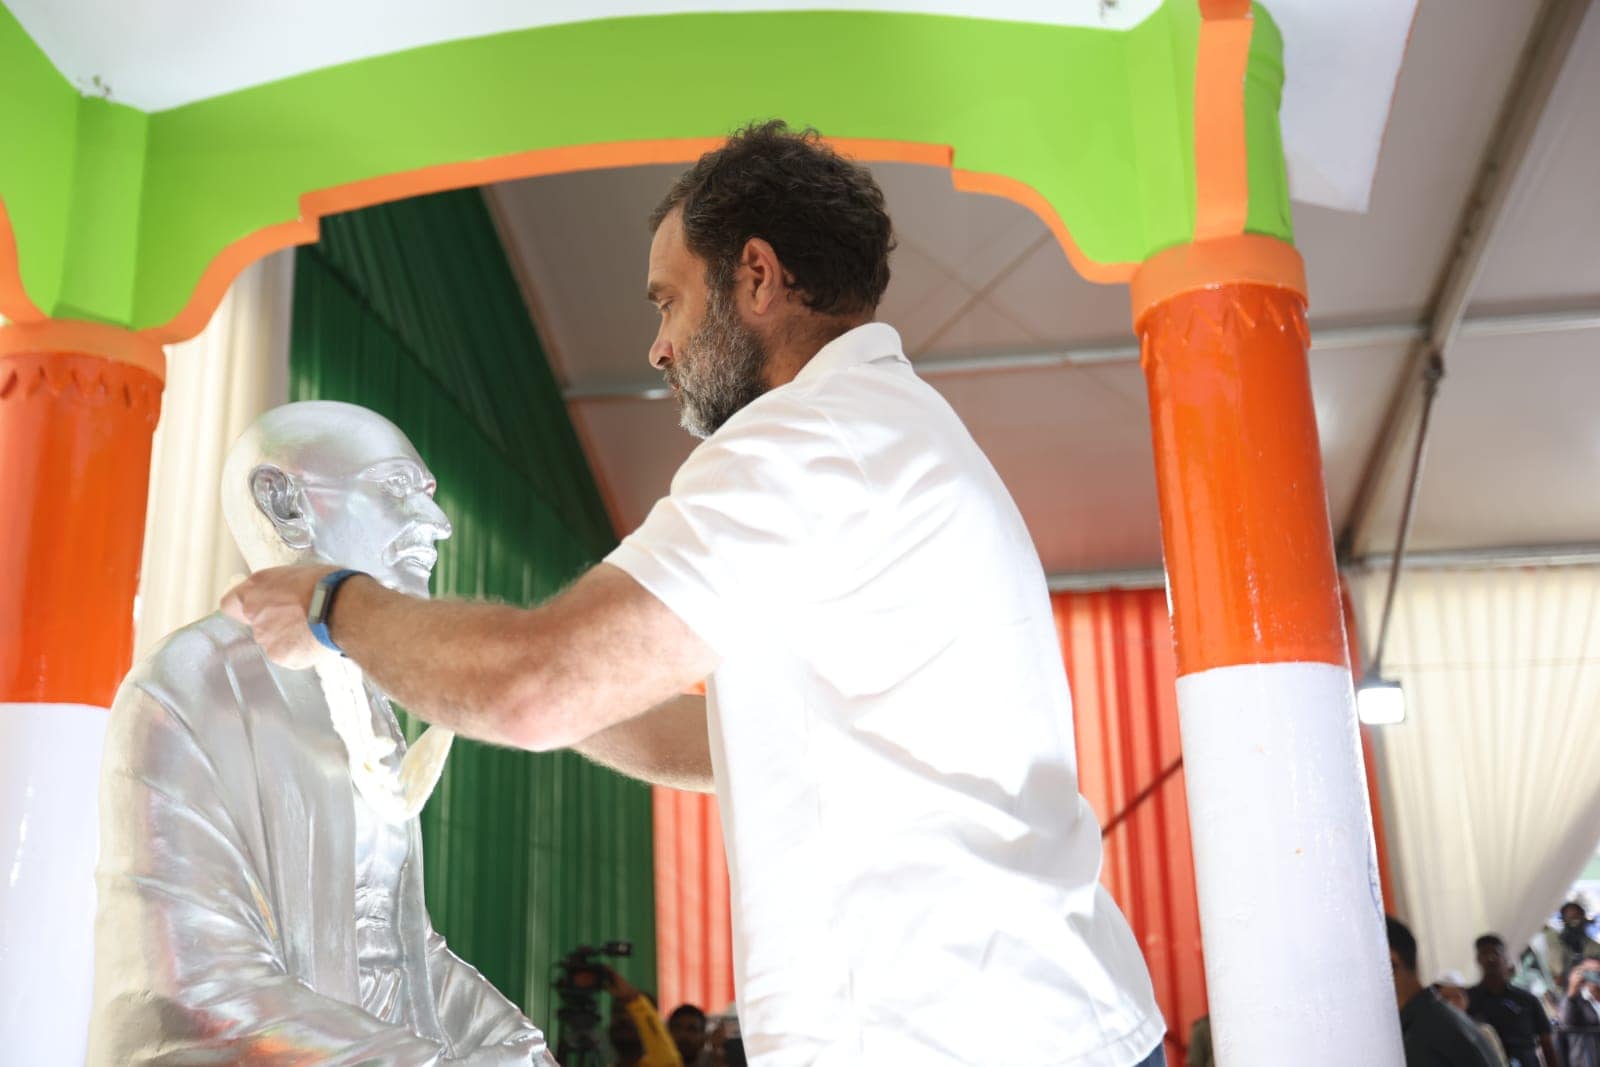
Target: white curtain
216,385
1492,783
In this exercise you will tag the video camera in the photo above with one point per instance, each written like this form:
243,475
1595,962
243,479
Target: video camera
579,980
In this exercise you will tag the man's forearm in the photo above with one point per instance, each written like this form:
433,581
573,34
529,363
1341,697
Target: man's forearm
668,745
448,662
604,651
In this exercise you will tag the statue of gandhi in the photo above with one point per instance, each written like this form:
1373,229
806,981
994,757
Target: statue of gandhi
260,878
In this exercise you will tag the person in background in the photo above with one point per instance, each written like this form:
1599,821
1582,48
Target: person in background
687,1025
1516,1014
1200,1043
1569,946
1452,989
1580,1016
636,1033
1434,1033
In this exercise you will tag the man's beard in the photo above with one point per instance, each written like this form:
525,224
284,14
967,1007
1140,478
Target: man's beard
720,369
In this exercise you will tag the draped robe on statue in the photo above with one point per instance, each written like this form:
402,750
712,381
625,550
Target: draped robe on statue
251,909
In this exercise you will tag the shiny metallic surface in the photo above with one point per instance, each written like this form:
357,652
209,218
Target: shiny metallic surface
253,906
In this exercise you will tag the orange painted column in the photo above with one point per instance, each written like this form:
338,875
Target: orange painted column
78,407
1291,913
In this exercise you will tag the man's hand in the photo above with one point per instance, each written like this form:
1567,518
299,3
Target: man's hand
273,603
1585,971
619,987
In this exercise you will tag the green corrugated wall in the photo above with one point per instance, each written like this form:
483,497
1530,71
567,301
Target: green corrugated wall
412,310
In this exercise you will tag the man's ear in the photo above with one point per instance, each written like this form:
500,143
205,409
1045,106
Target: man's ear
284,505
763,276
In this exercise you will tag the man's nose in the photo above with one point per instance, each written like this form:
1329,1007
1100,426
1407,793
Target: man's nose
661,353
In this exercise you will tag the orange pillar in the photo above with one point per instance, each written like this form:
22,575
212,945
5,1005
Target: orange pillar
1290,909
78,406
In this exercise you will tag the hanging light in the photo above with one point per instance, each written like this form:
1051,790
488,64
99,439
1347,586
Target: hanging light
1380,702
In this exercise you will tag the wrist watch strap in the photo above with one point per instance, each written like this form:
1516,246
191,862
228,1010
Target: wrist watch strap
322,606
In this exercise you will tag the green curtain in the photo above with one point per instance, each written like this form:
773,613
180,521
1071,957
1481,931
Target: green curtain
412,310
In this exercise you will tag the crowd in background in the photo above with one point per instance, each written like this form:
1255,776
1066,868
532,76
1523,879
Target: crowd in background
1539,1008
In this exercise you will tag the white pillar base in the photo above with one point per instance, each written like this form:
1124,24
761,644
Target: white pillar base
1297,961
49,837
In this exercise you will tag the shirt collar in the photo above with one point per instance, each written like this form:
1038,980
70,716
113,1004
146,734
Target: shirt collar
864,344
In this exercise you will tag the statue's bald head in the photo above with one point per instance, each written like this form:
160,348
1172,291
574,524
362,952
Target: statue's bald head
321,481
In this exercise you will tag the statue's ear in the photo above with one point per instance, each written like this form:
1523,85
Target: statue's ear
284,505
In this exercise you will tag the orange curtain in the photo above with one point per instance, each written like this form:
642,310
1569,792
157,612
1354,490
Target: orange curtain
1117,647
694,943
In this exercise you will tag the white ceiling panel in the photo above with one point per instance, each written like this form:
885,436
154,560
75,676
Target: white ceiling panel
1383,265
1351,389
581,243
1046,295
1073,446
1514,451
984,236
635,447
1547,250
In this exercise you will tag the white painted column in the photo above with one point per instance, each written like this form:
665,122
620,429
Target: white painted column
49,824
1278,878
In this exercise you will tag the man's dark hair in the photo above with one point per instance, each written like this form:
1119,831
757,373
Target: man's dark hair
1489,941
822,214
1402,943
686,1010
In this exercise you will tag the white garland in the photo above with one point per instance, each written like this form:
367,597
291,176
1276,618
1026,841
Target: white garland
396,796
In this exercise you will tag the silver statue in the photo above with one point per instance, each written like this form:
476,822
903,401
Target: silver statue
260,879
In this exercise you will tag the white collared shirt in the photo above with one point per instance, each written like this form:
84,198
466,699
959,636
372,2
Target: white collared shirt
915,876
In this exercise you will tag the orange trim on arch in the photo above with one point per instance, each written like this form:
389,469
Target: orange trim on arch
219,274
14,301
141,349
971,181
78,338
1221,153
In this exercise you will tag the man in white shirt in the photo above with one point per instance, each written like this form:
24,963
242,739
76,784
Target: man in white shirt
887,724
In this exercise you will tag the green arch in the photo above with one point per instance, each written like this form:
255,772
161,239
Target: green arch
117,213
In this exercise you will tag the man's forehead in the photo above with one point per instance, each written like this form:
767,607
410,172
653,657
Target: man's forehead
667,251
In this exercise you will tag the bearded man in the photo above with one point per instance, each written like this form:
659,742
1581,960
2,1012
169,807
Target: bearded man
886,722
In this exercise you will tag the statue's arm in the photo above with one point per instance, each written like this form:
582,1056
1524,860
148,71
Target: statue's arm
482,1024
187,956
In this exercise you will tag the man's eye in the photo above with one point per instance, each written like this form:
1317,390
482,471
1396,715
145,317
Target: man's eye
398,484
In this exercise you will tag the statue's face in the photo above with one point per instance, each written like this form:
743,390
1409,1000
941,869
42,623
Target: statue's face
371,504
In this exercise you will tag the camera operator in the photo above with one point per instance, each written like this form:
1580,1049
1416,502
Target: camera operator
637,1034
